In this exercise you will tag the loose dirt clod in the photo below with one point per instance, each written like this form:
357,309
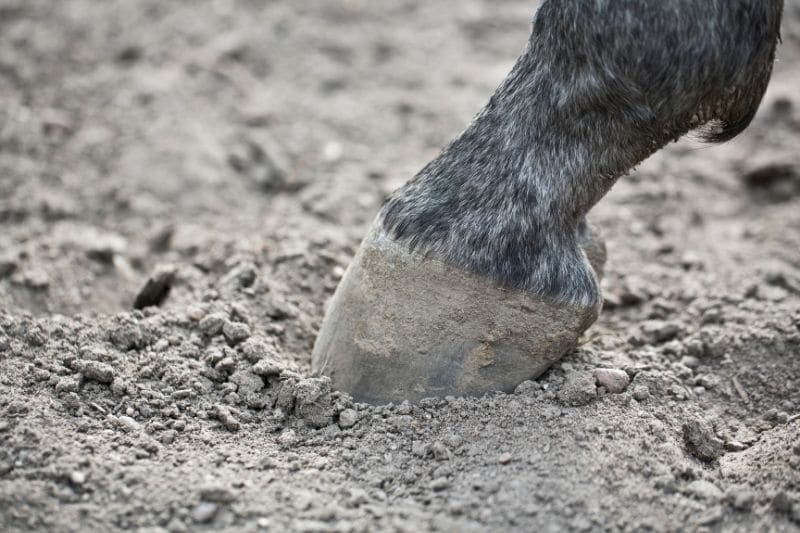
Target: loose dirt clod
235,332
97,371
579,389
156,289
348,418
700,440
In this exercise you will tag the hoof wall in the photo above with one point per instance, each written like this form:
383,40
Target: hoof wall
402,327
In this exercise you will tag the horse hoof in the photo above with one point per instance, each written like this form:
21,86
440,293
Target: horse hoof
404,327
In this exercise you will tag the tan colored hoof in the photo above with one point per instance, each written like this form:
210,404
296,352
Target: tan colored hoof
403,327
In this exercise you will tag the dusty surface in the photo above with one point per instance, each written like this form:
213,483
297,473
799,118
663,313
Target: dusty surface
239,150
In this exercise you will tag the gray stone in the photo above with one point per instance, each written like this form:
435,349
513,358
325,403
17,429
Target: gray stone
405,327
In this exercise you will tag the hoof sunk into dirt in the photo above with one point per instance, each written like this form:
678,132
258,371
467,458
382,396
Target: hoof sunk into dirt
404,327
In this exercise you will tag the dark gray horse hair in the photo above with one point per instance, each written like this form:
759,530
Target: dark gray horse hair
600,86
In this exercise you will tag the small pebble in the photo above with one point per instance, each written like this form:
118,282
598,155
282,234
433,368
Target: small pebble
504,458
641,393
77,478
614,380
204,512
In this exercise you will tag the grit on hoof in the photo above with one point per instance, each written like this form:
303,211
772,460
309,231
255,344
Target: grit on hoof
405,327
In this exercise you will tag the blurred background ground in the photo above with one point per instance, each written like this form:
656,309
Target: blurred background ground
243,147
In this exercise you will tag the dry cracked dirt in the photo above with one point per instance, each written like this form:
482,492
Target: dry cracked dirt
233,152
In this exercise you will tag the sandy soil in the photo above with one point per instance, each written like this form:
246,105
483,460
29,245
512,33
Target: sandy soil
235,151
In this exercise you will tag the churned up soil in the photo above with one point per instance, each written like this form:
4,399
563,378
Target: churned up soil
183,183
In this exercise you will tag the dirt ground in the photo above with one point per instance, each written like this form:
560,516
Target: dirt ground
235,151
